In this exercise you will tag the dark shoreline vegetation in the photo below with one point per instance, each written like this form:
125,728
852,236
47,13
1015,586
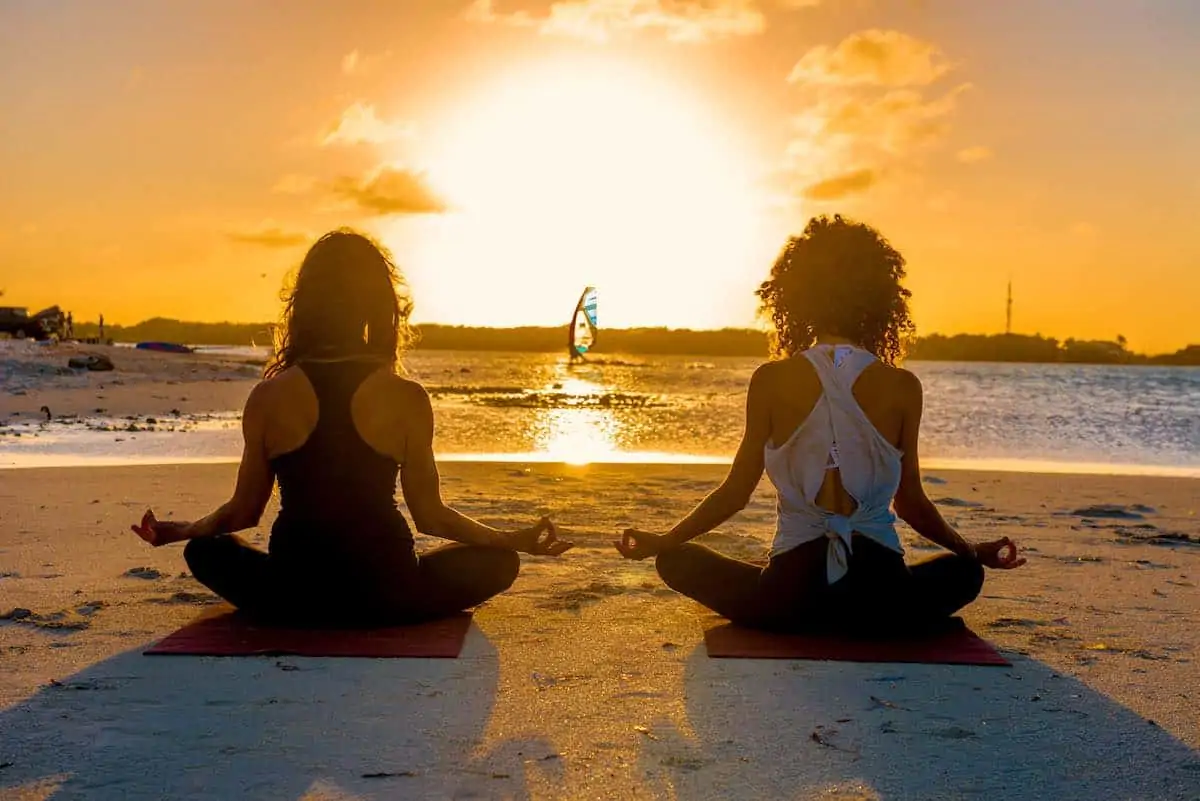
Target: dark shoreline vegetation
1023,348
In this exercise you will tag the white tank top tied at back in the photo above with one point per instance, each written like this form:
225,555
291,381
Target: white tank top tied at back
836,433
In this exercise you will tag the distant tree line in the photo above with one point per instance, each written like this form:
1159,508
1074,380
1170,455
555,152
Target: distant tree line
162,329
664,341
1039,349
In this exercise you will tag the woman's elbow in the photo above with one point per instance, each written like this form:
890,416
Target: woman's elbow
734,499
427,519
910,509
244,518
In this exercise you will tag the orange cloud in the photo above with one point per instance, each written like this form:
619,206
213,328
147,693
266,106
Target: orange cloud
973,155
359,124
842,186
868,113
390,190
356,63
269,236
599,21
873,57
895,122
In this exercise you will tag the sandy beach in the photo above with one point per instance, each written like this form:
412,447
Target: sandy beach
589,678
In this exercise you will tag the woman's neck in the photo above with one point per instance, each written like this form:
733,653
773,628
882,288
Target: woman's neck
831,339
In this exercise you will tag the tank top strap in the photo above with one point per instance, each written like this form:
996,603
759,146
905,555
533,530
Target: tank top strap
334,384
837,380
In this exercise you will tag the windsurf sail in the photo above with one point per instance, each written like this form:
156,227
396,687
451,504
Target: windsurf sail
582,333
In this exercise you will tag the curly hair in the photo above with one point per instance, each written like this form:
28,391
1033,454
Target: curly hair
347,300
838,278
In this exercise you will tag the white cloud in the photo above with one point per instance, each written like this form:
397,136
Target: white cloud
359,124
684,21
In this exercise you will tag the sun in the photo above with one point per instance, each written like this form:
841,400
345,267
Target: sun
572,173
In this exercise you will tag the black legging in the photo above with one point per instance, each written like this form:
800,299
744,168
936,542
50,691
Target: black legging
379,589
879,594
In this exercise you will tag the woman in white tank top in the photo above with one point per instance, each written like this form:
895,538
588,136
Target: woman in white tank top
834,423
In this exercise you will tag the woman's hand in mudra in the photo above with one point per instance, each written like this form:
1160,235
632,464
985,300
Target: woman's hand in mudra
1001,554
539,540
638,545
161,532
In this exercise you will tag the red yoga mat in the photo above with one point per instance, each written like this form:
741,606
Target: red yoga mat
954,644
223,632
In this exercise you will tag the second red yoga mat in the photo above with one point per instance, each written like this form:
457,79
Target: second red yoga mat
955,644
222,632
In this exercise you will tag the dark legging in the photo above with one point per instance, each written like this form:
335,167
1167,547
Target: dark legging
384,588
879,594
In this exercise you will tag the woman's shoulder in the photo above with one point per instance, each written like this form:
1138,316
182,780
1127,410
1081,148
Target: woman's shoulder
273,385
782,377
401,388
769,374
894,379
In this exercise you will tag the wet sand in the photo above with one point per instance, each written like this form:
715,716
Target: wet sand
142,383
589,678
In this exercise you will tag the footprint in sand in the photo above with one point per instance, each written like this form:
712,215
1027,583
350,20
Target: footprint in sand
1112,511
147,573
573,599
1079,560
1015,623
65,620
184,597
958,503
89,608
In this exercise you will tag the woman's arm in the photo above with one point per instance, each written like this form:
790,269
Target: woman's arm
914,507
911,503
734,492
422,488
250,495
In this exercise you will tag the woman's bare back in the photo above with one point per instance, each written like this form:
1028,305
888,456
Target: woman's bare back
793,388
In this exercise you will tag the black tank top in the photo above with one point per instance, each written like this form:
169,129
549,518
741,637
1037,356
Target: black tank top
335,489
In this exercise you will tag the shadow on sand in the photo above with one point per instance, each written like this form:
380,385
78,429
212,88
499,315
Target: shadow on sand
768,729
137,727
175,727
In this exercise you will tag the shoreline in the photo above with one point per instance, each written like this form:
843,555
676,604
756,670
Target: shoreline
162,409
36,461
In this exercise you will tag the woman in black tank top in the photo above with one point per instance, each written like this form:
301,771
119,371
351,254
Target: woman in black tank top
335,425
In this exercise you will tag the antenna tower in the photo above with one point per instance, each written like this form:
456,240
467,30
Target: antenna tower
1008,311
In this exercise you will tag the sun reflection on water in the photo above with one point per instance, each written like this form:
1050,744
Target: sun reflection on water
577,436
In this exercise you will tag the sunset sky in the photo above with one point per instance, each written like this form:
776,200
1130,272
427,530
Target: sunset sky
174,158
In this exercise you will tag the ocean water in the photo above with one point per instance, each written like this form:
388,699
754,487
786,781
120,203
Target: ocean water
626,408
